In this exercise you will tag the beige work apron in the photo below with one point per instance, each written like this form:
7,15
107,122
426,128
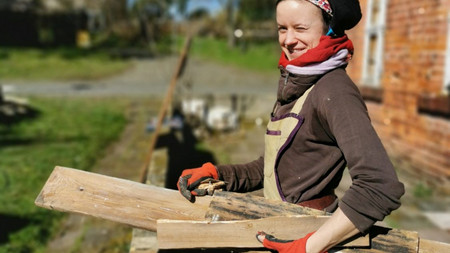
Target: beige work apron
280,132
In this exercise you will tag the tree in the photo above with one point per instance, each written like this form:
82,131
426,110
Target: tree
229,6
198,14
181,6
257,10
149,13
257,19
115,11
154,14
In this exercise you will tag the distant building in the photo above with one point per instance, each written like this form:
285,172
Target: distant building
402,66
48,23
17,23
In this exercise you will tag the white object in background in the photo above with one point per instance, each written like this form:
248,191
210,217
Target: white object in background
194,107
440,219
221,118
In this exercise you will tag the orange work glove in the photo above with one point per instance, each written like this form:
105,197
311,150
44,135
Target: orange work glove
191,178
284,246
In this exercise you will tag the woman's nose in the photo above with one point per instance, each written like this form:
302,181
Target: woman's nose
290,38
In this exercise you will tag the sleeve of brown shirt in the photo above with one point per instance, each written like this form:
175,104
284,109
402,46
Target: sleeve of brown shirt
375,189
243,177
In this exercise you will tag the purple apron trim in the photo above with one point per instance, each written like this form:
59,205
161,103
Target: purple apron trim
294,115
271,132
289,139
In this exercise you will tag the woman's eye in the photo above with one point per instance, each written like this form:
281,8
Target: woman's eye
300,28
281,29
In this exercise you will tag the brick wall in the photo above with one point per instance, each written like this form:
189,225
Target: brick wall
414,66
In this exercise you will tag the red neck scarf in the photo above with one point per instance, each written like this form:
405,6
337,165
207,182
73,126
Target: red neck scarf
327,47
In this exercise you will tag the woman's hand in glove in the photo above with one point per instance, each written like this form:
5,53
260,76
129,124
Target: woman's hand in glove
190,179
283,246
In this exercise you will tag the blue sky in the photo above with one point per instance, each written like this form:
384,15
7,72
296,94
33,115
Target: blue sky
211,5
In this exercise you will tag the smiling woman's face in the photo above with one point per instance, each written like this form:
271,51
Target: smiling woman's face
300,26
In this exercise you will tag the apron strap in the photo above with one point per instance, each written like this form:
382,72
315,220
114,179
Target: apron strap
285,126
301,100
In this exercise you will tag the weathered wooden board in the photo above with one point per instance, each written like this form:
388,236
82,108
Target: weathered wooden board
394,240
428,246
227,206
119,200
385,240
242,234
135,204
234,206
173,234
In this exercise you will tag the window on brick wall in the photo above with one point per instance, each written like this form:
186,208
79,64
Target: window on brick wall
374,43
439,104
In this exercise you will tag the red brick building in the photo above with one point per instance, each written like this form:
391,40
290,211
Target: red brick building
402,66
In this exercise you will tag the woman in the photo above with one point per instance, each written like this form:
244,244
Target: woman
319,126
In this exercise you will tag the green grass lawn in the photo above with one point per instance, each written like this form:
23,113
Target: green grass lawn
259,57
67,132
57,64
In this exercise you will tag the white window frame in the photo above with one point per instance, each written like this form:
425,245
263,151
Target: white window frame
378,29
446,86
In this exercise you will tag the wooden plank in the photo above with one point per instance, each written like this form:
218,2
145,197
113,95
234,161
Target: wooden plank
389,240
227,206
394,240
140,205
428,246
115,199
176,234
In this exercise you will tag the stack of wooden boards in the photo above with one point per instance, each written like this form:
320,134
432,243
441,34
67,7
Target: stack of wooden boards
226,220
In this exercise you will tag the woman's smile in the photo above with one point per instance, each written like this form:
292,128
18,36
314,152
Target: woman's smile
295,52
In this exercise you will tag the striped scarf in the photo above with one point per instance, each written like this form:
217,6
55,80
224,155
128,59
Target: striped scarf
329,54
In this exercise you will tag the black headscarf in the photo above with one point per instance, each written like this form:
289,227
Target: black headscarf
346,15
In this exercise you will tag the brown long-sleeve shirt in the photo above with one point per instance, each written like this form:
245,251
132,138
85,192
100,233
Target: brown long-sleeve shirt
336,133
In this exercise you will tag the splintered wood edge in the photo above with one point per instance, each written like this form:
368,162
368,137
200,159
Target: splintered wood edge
178,234
119,200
